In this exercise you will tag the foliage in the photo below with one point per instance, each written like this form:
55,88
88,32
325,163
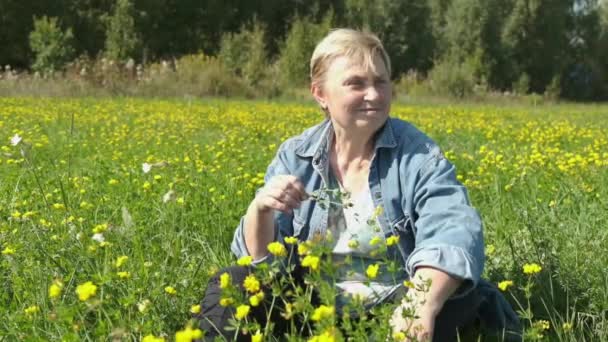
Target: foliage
51,45
88,182
294,58
122,40
245,53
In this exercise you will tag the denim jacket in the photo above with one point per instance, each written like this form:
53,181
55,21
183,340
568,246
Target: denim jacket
411,179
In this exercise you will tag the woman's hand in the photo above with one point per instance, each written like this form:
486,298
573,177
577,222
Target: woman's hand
418,328
283,193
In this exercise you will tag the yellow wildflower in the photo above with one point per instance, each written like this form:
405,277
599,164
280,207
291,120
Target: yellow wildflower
113,182
311,261
323,312
303,248
123,275
226,301
327,336
86,290
399,336
242,311
224,280
8,251
377,212
121,261
375,240
195,309
409,284
147,185
277,249
392,240
170,290
152,338
256,299
532,268
505,284
245,261
34,309
567,326
291,240
372,271
257,337
55,289
188,335
251,284
353,244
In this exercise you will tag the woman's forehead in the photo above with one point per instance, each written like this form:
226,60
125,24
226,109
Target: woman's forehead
359,64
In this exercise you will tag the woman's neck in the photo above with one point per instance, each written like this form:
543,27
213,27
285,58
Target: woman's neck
352,149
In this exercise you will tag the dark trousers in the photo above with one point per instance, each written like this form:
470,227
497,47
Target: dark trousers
456,313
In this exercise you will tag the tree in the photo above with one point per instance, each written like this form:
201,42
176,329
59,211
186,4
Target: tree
51,45
122,39
536,37
403,26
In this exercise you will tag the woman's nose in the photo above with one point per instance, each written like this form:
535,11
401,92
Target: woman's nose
371,93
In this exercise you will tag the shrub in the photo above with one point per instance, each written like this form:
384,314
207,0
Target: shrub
449,77
51,45
244,53
121,37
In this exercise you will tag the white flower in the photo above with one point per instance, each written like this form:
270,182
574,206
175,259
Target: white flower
169,196
146,167
98,237
16,139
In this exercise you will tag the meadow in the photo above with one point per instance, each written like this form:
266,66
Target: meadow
115,212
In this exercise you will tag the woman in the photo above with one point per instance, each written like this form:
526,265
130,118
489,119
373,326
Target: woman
381,162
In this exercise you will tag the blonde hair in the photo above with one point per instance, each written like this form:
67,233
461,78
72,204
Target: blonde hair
360,45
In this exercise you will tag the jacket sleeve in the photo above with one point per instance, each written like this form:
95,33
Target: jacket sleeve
283,222
448,230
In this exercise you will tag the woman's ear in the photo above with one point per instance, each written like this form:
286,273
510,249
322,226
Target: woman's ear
317,93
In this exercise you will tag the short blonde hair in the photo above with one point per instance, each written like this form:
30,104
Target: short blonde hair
346,42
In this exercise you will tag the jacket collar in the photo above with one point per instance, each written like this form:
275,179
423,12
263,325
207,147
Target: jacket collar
316,144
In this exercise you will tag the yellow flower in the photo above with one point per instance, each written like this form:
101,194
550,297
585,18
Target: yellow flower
392,240
34,309
86,290
327,336
532,268
152,338
121,261
399,336
188,335
505,284
226,301
353,244
409,284
55,289
257,337
113,182
251,284
375,240
180,201
245,261
490,249
291,240
195,309
170,290
256,299
123,275
323,312
8,251
242,311
277,249
147,185
377,212
372,271
311,261
567,326
303,248
224,280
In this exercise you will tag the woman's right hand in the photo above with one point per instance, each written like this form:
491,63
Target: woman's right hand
283,193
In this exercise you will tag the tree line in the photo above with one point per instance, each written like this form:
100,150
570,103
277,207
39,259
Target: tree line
522,46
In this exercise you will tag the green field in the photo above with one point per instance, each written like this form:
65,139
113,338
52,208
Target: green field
74,199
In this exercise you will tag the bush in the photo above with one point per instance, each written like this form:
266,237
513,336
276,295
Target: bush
51,45
244,53
522,85
121,37
449,77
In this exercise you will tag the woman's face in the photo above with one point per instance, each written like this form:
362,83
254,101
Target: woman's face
356,96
